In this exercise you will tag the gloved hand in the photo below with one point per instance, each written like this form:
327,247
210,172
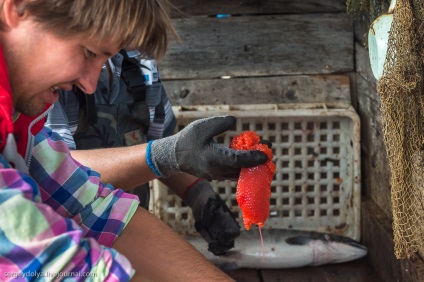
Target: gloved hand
193,151
214,220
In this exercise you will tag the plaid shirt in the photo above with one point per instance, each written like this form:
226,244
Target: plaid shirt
57,220
64,226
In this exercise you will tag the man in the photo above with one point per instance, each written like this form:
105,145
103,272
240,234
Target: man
129,107
56,215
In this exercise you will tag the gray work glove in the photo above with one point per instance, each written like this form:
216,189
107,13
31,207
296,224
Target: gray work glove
213,219
193,151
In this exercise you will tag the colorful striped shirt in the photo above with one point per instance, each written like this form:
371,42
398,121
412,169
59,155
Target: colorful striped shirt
58,222
64,226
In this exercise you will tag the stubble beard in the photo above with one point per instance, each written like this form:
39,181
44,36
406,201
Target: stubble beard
28,107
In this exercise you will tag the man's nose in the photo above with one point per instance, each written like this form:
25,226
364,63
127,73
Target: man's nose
87,82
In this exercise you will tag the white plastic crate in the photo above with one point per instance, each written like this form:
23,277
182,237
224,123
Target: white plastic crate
316,149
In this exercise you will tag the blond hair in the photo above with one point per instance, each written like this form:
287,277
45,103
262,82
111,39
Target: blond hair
144,25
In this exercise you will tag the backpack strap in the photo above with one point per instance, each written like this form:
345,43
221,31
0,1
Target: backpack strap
87,105
132,76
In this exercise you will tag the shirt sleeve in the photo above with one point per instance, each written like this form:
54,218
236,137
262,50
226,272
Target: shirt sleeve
58,120
37,242
75,191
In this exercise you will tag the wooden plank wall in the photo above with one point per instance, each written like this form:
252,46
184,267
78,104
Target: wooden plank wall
275,52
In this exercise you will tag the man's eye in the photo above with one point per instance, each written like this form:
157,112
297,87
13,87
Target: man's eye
90,54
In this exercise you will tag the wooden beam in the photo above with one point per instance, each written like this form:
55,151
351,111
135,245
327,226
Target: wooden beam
260,46
376,171
246,7
260,90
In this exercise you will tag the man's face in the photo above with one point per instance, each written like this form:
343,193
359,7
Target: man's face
39,63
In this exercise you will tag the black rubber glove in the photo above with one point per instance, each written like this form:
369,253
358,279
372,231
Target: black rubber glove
214,220
193,151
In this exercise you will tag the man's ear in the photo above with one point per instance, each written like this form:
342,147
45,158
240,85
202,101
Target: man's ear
13,11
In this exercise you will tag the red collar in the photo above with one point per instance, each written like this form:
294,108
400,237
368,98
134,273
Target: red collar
6,104
24,125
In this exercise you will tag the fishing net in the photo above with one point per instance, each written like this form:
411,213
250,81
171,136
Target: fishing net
402,108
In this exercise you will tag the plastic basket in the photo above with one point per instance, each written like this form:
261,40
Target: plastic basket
317,153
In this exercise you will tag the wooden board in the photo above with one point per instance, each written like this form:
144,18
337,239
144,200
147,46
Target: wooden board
245,275
354,271
205,7
378,237
260,46
260,90
363,67
376,171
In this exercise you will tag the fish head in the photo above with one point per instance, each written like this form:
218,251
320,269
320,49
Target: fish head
337,249
329,248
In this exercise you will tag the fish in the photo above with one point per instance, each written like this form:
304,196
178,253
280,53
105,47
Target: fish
283,248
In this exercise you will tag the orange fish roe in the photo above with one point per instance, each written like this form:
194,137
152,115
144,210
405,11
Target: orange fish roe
254,184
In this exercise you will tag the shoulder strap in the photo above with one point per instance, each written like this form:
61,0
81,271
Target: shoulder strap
131,74
87,105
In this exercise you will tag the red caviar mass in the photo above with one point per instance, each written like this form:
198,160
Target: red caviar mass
254,184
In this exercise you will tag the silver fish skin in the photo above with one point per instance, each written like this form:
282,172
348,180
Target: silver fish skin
283,248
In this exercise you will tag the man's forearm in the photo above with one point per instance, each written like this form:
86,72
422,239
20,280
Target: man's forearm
159,254
123,167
